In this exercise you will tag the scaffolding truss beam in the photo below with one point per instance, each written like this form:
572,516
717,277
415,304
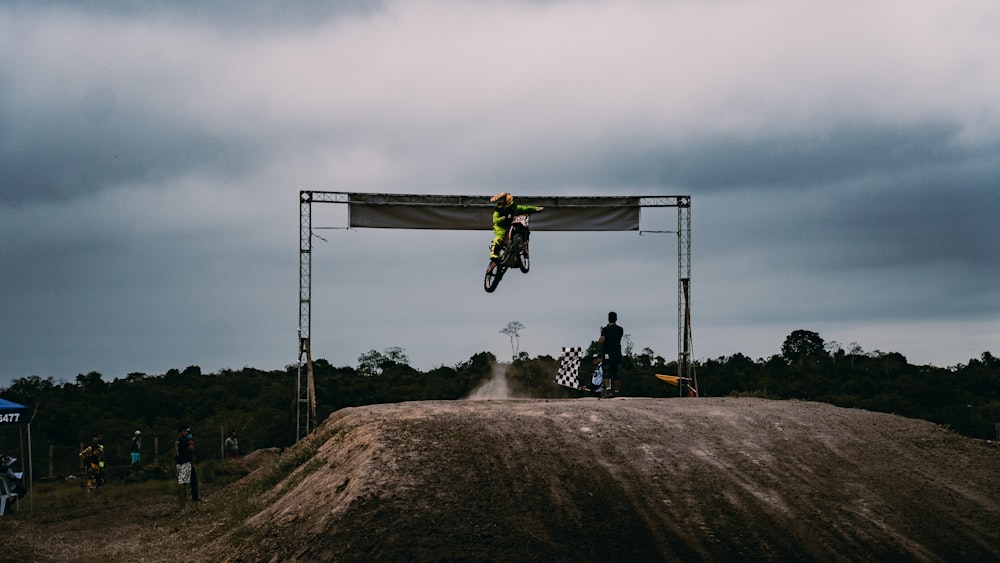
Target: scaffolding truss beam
305,392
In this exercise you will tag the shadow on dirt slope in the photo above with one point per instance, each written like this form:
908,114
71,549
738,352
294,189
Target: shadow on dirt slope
627,479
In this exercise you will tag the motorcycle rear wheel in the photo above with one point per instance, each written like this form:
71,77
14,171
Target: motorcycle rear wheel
522,255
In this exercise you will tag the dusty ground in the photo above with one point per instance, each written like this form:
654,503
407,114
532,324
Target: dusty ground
576,480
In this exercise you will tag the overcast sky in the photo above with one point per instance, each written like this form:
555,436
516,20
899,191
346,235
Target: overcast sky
843,160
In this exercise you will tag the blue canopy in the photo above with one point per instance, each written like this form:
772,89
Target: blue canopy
13,413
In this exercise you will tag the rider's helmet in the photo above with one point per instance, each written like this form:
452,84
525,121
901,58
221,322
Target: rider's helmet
503,202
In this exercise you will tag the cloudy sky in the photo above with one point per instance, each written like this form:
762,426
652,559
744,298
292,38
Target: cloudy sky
842,158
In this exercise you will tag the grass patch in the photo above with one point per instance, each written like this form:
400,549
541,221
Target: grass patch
63,496
756,394
286,464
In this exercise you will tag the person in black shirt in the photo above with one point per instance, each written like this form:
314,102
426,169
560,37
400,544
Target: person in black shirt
611,341
194,470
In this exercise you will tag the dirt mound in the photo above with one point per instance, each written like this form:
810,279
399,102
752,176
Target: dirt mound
625,479
256,459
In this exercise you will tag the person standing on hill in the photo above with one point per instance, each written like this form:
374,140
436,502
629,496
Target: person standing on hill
611,341
183,459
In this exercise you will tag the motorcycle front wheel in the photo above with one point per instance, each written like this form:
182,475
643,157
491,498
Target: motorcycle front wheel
493,274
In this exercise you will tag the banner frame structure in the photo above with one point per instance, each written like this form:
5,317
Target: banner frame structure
465,212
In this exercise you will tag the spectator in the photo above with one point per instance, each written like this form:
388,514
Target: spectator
232,446
184,460
93,463
12,478
194,470
596,384
134,446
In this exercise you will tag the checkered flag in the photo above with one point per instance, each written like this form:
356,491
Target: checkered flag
569,367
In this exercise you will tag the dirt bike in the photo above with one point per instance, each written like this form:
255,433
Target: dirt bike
513,253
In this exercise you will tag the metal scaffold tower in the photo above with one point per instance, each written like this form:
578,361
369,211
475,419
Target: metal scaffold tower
685,345
407,211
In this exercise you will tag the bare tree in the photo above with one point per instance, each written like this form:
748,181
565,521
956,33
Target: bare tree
512,331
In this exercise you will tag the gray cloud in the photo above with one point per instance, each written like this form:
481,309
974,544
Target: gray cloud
253,14
842,170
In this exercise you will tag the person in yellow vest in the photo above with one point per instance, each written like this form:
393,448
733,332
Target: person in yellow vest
93,463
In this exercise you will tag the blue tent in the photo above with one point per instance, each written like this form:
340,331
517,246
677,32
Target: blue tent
12,414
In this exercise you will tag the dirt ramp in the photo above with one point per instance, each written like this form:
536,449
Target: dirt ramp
629,479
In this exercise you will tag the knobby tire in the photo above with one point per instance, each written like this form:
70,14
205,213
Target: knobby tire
522,257
494,272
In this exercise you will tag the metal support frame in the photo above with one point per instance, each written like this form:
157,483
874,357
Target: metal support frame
306,392
305,413
685,345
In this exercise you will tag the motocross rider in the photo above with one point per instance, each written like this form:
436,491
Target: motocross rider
504,211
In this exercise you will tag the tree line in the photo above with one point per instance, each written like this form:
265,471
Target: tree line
261,405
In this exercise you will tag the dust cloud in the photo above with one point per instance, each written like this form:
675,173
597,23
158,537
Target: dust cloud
496,387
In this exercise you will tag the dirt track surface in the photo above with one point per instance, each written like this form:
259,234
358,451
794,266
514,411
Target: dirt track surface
711,479
633,479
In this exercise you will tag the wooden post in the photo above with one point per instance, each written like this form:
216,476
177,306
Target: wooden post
156,448
52,461
997,426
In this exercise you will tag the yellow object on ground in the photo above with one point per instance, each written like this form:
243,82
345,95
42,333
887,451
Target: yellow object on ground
671,379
